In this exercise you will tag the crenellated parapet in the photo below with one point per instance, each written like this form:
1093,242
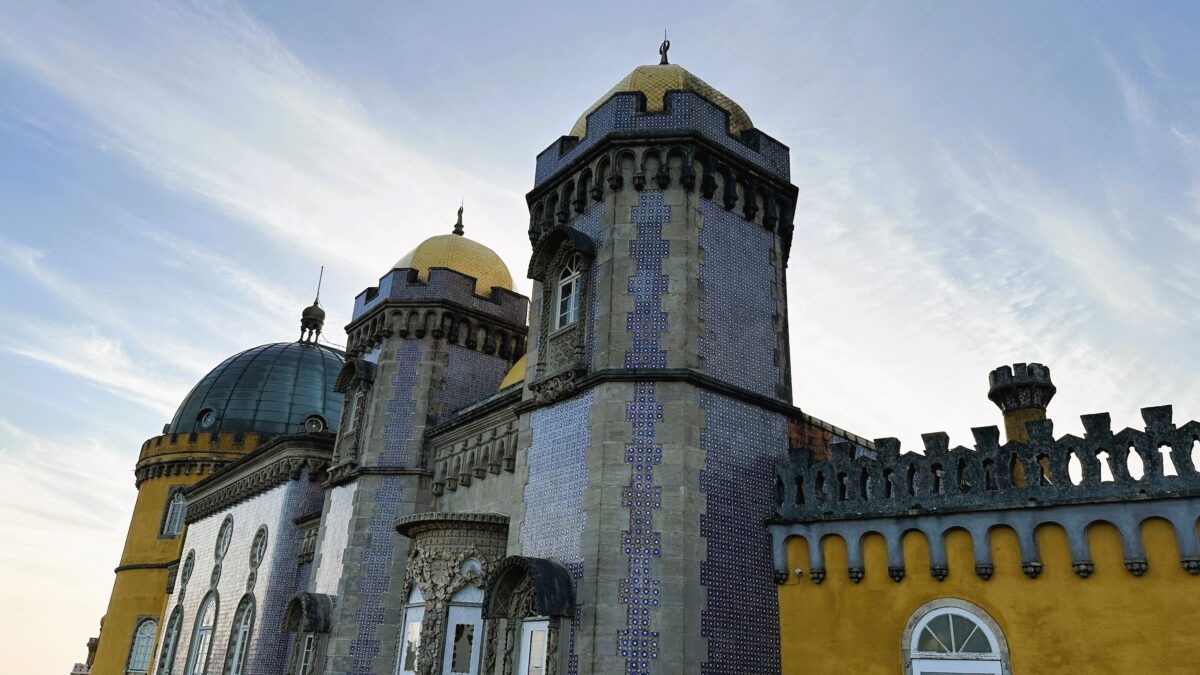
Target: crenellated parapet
444,306
191,454
1120,478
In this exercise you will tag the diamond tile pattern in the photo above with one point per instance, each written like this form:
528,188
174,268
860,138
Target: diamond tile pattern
647,322
398,451
469,377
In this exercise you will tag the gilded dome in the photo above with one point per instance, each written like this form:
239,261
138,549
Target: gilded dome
515,375
655,81
456,252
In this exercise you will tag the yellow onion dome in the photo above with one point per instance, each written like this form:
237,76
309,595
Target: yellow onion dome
655,81
515,375
463,255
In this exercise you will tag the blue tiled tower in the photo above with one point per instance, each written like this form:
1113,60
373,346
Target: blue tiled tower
658,388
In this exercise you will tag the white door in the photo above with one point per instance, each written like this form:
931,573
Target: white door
954,667
534,635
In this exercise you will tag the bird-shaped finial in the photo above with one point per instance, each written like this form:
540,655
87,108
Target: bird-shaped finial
662,49
458,227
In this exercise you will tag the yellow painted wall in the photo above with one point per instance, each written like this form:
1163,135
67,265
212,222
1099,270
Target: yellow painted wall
1111,622
141,592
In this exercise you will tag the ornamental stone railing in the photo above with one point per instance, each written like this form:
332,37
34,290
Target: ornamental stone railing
992,475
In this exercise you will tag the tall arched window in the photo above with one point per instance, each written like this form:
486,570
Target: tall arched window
954,636
410,633
142,648
464,630
201,645
170,642
567,295
173,518
239,637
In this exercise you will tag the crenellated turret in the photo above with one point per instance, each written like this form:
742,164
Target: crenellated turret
1022,392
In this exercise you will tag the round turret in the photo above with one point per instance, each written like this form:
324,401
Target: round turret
1022,392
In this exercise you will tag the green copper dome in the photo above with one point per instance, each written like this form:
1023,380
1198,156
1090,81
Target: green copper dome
273,389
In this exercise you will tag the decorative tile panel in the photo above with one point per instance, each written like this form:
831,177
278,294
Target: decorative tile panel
741,444
335,533
739,340
469,377
373,580
558,476
639,591
398,451
647,322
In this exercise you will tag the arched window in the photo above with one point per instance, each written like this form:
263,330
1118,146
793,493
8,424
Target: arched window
201,645
410,633
954,636
142,648
239,637
170,642
173,518
569,286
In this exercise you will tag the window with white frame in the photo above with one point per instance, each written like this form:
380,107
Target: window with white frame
410,633
535,637
170,642
954,637
142,647
239,638
307,655
570,284
464,630
201,644
352,419
173,518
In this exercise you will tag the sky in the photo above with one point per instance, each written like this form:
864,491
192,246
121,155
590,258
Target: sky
980,184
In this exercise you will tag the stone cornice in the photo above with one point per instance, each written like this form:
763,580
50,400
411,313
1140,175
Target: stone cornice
418,523
699,379
350,471
279,461
178,467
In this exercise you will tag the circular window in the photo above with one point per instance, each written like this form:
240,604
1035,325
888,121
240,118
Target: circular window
315,424
188,564
258,548
206,418
223,537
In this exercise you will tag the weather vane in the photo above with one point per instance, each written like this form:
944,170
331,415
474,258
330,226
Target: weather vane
662,50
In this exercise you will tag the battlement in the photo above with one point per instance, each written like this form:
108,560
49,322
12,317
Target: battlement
1021,386
683,113
992,476
442,285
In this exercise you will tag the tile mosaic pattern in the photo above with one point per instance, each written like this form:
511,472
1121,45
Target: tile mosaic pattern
647,322
398,451
373,582
469,377
558,476
741,444
683,112
273,581
739,340
639,591
445,285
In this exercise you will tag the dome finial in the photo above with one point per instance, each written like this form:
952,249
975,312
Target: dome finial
312,319
458,227
662,49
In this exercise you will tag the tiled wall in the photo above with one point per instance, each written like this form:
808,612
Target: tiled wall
373,580
647,322
274,580
469,377
741,443
639,590
683,112
397,451
739,340
554,515
335,533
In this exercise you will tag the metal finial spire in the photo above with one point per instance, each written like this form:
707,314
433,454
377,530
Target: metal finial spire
320,278
662,50
458,227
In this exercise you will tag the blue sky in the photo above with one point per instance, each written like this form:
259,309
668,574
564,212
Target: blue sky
980,184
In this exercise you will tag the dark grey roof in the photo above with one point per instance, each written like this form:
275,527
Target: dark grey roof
269,389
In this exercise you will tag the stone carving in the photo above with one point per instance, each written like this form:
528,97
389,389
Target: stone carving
555,388
290,457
